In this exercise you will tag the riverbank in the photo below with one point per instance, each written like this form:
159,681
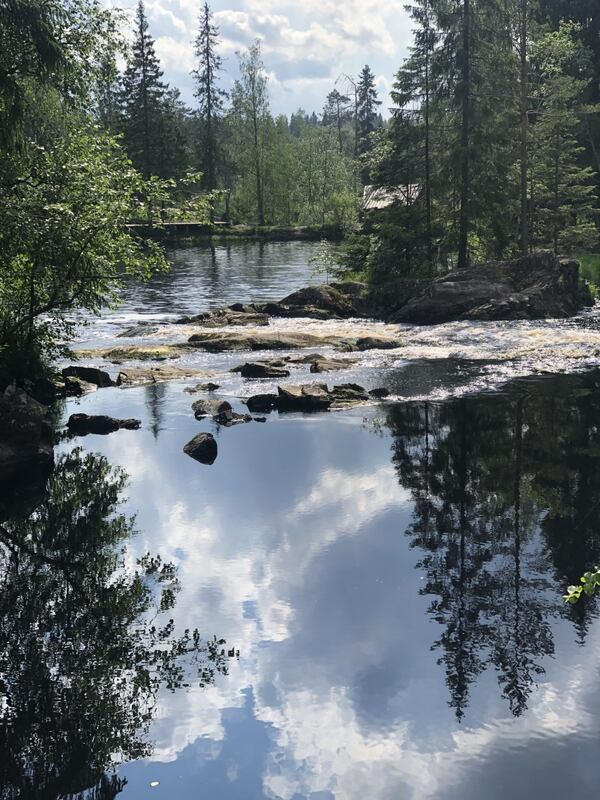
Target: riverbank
182,232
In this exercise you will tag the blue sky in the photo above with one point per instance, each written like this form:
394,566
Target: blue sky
306,46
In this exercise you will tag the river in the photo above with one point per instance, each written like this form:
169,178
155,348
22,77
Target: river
388,580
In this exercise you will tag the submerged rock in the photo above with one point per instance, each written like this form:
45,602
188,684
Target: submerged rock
209,407
202,448
26,435
83,424
143,329
133,352
229,418
140,376
227,341
90,375
202,387
240,315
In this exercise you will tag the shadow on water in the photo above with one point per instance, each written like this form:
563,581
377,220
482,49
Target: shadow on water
506,493
85,640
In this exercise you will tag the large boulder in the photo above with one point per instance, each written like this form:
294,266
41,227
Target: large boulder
536,286
90,375
261,369
324,297
26,435
202,448
308,397
84,424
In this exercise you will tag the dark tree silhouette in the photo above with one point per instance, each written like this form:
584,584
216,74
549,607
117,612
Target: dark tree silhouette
84,642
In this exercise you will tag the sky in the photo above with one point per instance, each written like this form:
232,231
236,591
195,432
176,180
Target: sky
306,45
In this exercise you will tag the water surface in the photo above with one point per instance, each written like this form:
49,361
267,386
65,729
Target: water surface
391,576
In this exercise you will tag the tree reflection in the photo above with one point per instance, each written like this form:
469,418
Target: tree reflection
84,645
506,512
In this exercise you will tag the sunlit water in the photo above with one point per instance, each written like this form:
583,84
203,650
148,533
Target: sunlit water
391,575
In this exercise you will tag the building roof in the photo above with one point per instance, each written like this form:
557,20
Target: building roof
376,198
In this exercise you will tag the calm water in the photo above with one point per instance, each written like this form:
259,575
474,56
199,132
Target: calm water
391,577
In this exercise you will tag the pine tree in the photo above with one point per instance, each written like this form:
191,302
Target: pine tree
336,113
144,99
366,115
210,95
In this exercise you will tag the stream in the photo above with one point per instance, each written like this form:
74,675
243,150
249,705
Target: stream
387,579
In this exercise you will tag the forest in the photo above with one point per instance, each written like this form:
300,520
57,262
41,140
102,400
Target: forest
488,147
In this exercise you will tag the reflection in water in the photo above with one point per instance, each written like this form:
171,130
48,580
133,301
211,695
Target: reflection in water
506,512
83,650
155,395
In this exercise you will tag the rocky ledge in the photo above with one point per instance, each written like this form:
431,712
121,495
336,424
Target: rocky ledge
314,397
26,434
538,286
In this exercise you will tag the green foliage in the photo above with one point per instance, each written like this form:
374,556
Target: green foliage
587,585
324,260
84,634
563,189
151,113
64,246
209,94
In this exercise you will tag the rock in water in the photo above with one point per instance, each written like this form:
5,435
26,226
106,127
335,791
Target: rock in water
349,394
324,297
380,393
26,436
89,375
76,387
309,397
83,424
202,448
258,369
202,387
228,419
207,407
537,286
323,364
262,402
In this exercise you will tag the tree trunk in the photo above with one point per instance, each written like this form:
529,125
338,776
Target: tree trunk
465,187
428,151
260,211
524,129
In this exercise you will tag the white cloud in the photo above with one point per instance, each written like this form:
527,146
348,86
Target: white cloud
306,48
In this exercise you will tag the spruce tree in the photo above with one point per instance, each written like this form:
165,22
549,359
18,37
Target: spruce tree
367,103
210,95
564,194
414,89
144,99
